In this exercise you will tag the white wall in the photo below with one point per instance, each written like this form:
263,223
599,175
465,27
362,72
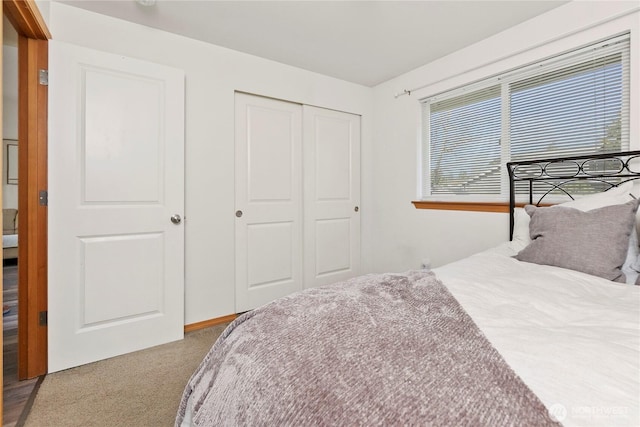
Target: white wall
404,235
9,118
212,75
395,235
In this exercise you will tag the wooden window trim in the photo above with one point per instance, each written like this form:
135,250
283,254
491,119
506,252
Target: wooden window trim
496,207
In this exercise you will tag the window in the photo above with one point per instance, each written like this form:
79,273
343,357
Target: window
577,103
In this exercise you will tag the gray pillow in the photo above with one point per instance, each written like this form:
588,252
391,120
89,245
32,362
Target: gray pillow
593,242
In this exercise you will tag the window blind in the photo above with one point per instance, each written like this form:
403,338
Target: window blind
465,143
573,104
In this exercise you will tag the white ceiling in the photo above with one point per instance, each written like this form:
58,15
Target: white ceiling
366,42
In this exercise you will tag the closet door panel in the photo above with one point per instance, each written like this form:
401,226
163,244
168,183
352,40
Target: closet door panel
333,246
332,195
268,200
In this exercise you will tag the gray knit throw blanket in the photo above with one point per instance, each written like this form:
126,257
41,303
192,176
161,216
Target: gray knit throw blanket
377,350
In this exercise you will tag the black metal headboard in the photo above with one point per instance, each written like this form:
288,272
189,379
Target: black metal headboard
567,176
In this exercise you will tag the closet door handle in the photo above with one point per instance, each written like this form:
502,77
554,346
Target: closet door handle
356,209
238,213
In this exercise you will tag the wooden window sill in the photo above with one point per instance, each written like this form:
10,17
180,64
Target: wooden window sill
500,207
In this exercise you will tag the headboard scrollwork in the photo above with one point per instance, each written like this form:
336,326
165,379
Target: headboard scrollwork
555,179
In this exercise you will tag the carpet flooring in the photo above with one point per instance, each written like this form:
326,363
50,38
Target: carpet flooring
136,389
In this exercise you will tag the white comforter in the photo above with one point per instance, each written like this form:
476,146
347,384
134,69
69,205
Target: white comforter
573,338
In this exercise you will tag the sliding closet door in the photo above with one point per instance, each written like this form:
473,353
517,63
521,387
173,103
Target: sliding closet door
332,195
268,200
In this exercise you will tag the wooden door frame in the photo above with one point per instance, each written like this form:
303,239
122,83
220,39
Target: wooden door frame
33,36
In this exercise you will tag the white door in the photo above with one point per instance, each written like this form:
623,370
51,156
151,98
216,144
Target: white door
268,200
116,177
331,195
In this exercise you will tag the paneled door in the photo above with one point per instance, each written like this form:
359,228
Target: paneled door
268,200
116,198
331,195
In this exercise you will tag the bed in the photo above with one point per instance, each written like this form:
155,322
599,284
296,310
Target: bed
541,330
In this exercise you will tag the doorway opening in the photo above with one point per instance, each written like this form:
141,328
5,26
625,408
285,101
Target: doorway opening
30,148
16,393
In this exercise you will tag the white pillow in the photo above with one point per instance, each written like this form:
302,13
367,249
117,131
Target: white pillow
631,265
521,221
614,196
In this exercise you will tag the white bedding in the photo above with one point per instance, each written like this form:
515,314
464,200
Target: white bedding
573,338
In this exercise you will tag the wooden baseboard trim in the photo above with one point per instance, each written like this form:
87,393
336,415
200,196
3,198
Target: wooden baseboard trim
206,323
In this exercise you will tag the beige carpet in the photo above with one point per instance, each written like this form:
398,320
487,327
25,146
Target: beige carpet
137,389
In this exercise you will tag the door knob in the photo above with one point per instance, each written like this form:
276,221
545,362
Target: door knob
356,209
176,219
238,214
